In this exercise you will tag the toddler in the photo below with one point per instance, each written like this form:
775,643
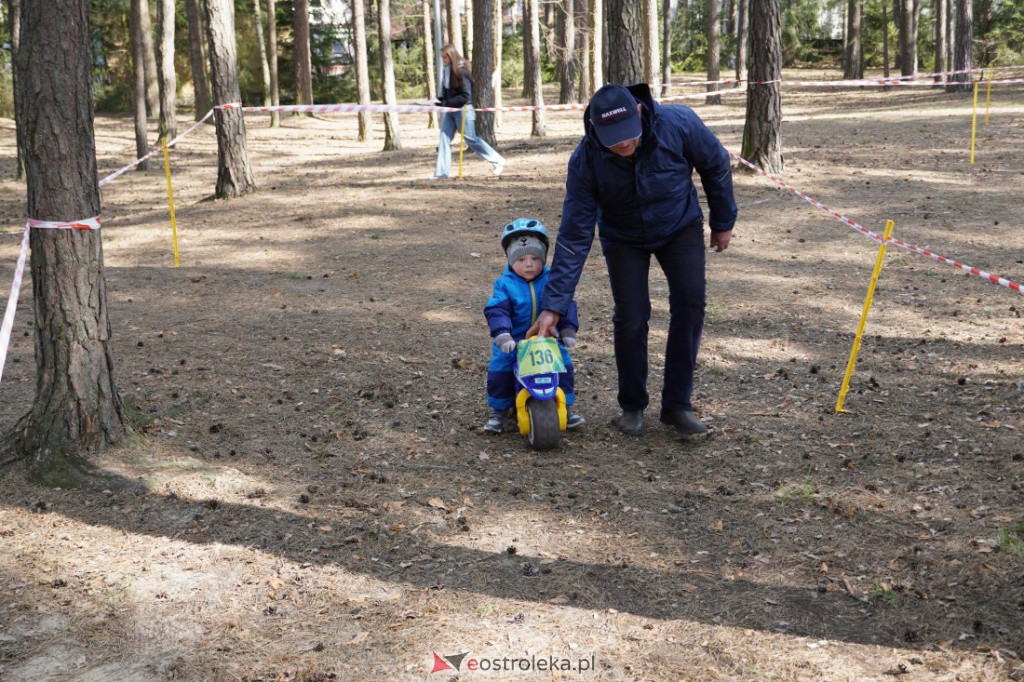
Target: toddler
512,310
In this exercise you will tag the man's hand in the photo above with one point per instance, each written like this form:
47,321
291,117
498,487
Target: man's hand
546,324
720,240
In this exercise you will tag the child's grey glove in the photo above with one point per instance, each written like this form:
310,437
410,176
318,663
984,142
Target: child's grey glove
568,338
505,343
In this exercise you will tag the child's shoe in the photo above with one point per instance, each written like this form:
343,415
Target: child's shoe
573,419
495,421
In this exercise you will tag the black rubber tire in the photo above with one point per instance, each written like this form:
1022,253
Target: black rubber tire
544,431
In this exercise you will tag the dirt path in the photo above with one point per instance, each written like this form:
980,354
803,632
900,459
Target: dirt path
321,503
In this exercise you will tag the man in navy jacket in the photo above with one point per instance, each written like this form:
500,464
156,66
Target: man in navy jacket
631,176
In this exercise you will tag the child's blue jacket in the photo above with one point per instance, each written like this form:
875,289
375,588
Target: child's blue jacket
516,303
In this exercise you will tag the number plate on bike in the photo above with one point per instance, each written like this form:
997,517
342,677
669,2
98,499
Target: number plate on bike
539,356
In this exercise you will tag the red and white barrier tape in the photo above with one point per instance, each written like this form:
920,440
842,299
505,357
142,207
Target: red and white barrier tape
19,273
118,173
1002,281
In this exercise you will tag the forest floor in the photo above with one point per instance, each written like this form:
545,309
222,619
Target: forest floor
321,503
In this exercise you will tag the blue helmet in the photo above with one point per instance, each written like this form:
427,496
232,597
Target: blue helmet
523,226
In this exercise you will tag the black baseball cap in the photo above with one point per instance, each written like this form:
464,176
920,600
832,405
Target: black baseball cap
614,115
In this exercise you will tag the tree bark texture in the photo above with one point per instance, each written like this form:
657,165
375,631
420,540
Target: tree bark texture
714,49
499,24
596,55
950,33
533,75
742,37
468,31
168,79
583,91
76,406
651,52
152,82
14,16
303,58
483,90
624,19
897,20
566,51
392,135
197,59
986,55
963,57
908,38
234,174
139,84
428,62
275,89
885,41
264,64
362,67
939,10
852,63
666,48
527,52
762,133
455,25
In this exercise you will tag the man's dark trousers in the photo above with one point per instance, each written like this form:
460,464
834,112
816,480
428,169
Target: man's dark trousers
682,261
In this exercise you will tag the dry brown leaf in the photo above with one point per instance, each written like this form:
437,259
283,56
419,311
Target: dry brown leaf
437,503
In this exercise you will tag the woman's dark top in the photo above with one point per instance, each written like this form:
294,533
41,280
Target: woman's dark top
456,98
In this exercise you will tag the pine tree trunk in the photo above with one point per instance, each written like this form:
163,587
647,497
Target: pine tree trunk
596,56
985,28
714,49
566,48
139,84
651,42
582,51
532,28
455,26
392,135
666,48
167,77
742,39
499,24
939,9
908,38
428,62
264,64
468,31
275,89
483,90
76,406
885,41
852,55
197,59
950,34
303,59
897,20
149,54
762,136
19,133
624,20
527,52
362,67
234,174
963,58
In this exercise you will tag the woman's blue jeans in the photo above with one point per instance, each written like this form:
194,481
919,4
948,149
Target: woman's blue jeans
451,123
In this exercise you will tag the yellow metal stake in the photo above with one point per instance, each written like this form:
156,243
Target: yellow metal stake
170,199
462,140
864,317
974,121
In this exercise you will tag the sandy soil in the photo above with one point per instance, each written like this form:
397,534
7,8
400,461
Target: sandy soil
320,502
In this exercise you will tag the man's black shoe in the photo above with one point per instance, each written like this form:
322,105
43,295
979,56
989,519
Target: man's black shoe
631,423
684,421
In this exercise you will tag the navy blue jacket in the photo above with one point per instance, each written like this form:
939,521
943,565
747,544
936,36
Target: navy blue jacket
644,201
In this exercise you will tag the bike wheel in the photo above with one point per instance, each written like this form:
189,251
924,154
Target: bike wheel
544,431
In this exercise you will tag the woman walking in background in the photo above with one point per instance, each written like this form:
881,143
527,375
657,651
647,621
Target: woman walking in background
457,92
